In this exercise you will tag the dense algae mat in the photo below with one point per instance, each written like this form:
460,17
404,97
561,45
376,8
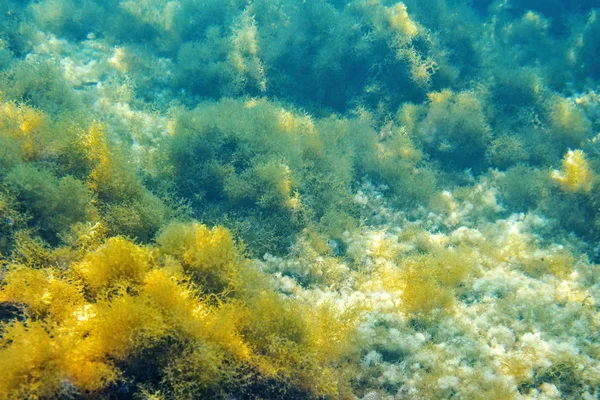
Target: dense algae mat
292,199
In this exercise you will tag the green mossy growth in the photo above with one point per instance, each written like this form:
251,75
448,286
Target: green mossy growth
53,203
41,85
453,129
523,187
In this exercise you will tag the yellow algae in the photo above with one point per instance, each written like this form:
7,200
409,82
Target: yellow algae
575,174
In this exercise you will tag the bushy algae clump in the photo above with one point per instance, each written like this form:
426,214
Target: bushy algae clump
186,317
282,170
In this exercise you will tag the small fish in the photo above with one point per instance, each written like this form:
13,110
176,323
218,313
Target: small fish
333,245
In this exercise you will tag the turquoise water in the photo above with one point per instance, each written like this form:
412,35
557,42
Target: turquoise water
285,199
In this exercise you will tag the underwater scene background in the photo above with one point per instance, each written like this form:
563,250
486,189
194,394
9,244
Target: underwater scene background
286,199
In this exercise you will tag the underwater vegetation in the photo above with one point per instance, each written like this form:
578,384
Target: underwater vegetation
187,314
285,199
